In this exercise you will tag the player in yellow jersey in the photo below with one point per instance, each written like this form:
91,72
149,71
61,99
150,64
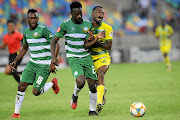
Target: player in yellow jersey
163,32
99,41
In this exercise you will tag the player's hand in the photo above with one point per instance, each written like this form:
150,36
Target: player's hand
55,61
101,34
52,68
91,35
12,66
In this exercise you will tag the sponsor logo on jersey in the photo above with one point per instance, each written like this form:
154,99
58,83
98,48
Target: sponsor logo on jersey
111,34
72,29
36,34
59,29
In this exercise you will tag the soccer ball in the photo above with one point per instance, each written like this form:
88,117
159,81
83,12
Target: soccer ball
138,109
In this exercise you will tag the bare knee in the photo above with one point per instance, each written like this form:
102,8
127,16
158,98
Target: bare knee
92,87
80,82
22,86
36,92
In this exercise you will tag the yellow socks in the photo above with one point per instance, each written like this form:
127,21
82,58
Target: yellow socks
167,60
100,93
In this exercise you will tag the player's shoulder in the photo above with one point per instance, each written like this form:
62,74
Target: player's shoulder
6,35
168,26
106,25
67,21
27,30
87,21
18,33
158,27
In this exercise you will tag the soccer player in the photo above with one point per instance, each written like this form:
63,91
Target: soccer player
100,42
163,32
37,38
13,40
79,59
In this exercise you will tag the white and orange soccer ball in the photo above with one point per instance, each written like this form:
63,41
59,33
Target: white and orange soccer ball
138,109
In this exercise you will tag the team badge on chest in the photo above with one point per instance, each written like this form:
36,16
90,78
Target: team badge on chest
85,29
35,34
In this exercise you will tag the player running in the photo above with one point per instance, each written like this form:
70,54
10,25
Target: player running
100,42
37,71
79,59
163,32
13,41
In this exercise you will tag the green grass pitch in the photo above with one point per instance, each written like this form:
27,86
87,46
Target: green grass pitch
149,83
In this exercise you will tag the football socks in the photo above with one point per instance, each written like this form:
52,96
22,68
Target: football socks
100,93
93,99
19,101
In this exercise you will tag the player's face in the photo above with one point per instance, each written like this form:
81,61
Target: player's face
77,15
32,20
10,27
98,15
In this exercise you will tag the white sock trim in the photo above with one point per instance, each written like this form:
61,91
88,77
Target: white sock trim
76,90
93,100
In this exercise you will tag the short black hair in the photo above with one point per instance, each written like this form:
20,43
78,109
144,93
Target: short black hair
10,21
75,4
97,7
32,11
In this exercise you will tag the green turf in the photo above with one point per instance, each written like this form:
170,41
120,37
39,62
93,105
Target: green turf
149,83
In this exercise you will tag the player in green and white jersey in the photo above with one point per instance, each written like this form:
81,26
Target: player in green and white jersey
37,38
74,30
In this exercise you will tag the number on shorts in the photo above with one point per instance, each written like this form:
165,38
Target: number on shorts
39,80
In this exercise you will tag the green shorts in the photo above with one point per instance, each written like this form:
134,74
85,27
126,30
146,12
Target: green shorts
36,74
82,66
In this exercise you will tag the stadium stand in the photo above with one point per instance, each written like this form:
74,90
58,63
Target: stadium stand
126,18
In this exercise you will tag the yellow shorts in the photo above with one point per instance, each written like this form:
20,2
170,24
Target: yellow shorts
101,60
165,46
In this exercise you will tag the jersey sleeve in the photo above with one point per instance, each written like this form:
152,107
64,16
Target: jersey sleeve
47,34
61,31
20,36
171,31
109,33
24,39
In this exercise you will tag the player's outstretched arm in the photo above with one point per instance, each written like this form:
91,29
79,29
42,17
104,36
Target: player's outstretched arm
22,52
53,47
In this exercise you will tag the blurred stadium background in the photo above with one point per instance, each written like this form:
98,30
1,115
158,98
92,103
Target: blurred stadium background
133,22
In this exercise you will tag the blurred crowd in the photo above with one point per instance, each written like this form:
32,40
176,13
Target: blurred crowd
52,13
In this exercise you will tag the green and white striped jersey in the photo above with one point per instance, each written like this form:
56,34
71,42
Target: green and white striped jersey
74,37
38,41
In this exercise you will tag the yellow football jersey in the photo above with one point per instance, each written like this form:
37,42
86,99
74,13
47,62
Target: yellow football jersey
96,49
163,33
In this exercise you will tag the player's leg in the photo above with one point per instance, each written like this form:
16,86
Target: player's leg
101,86
91,77
40,85
92,96
80,82
27,77
165,49
19,99
77,71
